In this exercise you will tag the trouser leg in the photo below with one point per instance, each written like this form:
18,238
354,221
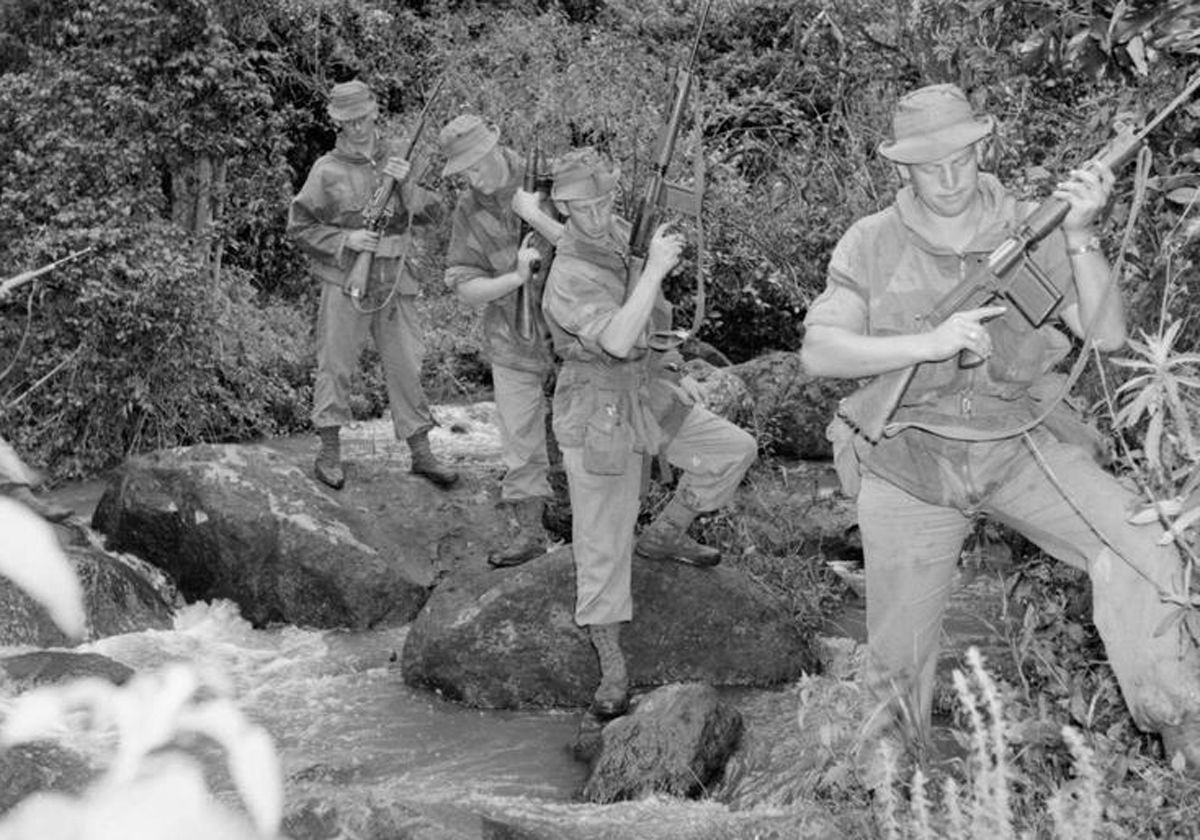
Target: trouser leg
341,332
521,420
1156,664
604,510
396,330
911,550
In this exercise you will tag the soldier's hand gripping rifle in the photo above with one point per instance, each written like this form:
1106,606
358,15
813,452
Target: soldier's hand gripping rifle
531,183
1007,273
380,209
661,194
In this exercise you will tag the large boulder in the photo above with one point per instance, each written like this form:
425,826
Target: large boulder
118,598
508,639
247,524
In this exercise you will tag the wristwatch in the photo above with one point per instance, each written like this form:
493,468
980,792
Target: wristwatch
1093,244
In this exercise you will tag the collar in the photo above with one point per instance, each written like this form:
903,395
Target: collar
997,211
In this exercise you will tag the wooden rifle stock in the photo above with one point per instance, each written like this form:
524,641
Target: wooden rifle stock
1007,272
377,211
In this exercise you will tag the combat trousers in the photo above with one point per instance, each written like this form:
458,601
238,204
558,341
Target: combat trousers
521,419
341,335
911,549
713,454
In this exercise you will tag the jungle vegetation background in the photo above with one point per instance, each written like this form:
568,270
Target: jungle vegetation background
169,136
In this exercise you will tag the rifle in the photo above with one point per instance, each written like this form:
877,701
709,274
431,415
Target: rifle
379,209
1008,272
25,276
523,322
661,194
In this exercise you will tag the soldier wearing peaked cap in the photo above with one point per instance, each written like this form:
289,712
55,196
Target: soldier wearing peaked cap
617,401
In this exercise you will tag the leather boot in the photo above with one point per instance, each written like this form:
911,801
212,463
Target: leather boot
328,467
666,538
425,463
48,510
612,696
530,539
1181,745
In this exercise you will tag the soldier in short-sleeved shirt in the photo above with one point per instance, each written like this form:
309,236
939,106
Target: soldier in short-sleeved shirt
987,439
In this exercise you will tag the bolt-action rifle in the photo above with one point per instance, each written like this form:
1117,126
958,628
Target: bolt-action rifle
380,208
661,194
525,316
1007,273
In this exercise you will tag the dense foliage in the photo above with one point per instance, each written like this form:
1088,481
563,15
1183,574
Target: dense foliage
168,135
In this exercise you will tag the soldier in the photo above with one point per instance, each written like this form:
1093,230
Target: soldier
615,402
919,490
486,265
326,221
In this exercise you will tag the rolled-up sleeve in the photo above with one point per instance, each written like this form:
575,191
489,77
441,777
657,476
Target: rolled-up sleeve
843,303
578,301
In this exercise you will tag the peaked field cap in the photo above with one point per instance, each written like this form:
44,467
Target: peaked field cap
583,173
348,100
932,122
465,140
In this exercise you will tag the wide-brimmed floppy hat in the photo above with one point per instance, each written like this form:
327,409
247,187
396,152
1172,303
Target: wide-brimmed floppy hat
350,100
582,174
465,140
932,122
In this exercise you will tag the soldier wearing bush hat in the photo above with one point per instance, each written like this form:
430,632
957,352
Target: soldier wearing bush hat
326,221
967,440
486,264
618,402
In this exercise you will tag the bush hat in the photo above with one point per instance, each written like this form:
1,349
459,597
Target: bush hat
932,122
349,100
583,173
465,140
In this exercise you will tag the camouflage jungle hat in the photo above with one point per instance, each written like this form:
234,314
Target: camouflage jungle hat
932,122
582,174
465,140
349,100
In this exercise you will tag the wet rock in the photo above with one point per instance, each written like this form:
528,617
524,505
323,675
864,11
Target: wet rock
798,745
27,670
675,741
247,524
118,598
508,638
40,766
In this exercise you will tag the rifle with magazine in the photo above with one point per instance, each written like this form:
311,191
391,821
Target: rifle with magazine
533,182
380,208
661,194
1007,273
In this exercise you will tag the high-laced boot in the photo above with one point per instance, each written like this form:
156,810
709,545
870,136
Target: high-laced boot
328,467
666,538
530,539
425,463
612,695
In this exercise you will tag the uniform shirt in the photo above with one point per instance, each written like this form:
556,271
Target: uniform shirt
585,289
484,240
330,204
886,274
